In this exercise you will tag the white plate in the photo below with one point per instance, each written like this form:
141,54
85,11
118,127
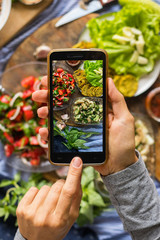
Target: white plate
146,81
6,8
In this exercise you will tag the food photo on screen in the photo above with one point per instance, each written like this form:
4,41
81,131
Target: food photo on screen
78,105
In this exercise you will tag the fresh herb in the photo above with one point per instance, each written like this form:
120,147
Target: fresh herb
92,203
74,138
16,191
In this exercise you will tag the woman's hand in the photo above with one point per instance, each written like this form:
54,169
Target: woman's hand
50,212
121,130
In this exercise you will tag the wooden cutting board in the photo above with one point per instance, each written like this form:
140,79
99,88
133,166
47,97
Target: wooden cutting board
63,37
67,36
19,17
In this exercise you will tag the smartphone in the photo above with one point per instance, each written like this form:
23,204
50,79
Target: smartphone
78,102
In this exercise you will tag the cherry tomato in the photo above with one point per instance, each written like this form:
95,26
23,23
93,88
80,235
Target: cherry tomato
28,112
28,82
59,70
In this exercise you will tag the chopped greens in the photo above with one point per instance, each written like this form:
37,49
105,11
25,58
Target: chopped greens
73,137
87,111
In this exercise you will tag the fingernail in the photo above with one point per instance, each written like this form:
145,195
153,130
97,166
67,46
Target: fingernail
76,162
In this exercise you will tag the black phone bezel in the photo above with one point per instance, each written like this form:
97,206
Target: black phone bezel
89,158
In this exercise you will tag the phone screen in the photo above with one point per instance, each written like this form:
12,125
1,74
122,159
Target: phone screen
77,94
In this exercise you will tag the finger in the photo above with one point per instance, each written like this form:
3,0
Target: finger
70,188
44,81
28,197
42,112
119,105
40,197
44,133
52,198
110,119
40,96
74,210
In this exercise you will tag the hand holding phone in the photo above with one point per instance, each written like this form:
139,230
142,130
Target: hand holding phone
121,129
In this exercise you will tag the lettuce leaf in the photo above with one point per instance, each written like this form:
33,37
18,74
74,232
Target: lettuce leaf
138,16
93,72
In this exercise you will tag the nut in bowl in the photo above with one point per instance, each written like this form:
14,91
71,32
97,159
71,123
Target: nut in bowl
153,104
87,111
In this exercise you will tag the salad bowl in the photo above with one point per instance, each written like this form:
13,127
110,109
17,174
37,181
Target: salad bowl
24,149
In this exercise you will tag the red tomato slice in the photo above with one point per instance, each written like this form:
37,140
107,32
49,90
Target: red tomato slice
27,94
8,149
8,137
11,113
28,82
35,161
37,129
22,142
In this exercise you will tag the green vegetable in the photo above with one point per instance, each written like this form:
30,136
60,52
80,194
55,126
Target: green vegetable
16,191
147,4
3,107
94,72
138,16
92,203
74,138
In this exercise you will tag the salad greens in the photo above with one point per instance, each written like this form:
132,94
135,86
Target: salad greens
147,3
16,191
94,72
73,137
136,16
92,203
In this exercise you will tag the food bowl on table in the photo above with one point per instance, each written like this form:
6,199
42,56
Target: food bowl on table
24,149
87,111
153,104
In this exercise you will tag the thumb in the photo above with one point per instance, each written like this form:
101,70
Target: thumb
117,100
